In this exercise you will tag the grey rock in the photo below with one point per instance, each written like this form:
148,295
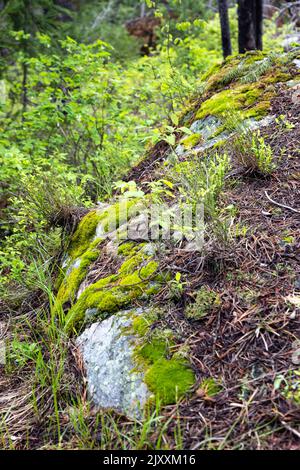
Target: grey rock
290,40
74,265
90,313
206,127
107,350
297,63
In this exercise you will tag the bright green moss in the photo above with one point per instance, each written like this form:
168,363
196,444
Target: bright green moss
140,275
248,78
241,97
132,263
169,380
210,387
70,284
191,140
142,323
119,213
248,68
126,249
152,350
110,219
85,231
112,293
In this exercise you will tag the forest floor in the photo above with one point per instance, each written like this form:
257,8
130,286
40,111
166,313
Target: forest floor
246,344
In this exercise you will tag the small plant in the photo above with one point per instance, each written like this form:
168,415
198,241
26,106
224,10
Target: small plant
202,181
176,286
206,302
289,385
254,154
209,388
21,352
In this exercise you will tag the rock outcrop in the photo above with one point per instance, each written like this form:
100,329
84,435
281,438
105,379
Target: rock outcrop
110,278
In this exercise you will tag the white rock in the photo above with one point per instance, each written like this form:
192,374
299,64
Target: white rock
107,350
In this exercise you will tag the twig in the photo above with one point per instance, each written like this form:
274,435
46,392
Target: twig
281,205
293,431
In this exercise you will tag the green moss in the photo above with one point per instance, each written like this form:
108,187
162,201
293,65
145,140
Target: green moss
140,275
241,97
70,284
206,301
191,140
152,350
125,249
142,323
247,78
119,213
169,379
248,68
110,219
209,387
133,262
85,231
114,292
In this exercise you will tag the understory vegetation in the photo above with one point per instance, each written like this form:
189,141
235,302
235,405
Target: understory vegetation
96,127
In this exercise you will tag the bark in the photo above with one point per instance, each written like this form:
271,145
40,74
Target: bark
259,24
24,88
225,29
250,19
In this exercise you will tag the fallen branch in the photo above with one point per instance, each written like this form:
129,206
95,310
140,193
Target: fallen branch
281,205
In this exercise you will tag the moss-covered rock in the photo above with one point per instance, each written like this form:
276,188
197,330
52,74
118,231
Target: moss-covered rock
191,140
168,376
137,278
169,379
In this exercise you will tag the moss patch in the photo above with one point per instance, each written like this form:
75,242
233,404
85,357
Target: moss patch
136,278
110,219
206,302
85,231
242,97
209,387
248,79
169,379
190,141
70,284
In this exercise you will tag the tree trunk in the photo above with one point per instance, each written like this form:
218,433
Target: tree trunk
24,88
259,24
225,29
250,18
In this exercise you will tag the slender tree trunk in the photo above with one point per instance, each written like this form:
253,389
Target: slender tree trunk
225,29
259,24
24,88
250,19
